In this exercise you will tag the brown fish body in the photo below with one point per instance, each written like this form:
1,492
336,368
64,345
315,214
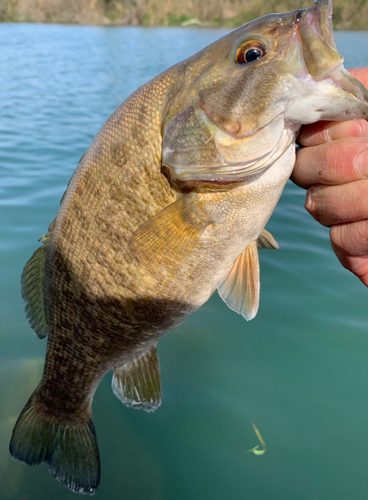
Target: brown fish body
104,306
169,202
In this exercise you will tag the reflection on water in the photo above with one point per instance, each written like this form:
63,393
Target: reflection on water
298,370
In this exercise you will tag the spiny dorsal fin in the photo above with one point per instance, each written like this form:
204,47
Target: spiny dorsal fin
138,383
171,233
239,287
266,240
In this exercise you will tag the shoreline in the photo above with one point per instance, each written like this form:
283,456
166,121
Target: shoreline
349,15
203,26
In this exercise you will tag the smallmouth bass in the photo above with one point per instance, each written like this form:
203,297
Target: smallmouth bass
169,203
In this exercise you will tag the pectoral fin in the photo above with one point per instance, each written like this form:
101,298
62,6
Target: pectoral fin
239,287
138,382
171,233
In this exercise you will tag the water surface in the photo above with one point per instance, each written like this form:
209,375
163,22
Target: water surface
299,370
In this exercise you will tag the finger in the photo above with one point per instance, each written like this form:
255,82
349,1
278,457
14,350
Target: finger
333,163
360,74
350,244
338,204
323,131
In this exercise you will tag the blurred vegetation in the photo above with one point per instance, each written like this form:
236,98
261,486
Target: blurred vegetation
348,14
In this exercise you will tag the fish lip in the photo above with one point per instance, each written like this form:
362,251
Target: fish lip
342,79
311,17
319,18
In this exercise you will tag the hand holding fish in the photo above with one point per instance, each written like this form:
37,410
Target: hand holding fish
333,167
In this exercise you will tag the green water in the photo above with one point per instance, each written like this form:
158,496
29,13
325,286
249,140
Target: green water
299,370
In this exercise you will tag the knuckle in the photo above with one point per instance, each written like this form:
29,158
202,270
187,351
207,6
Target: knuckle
364,127
360,163
310,205
317,206
336,237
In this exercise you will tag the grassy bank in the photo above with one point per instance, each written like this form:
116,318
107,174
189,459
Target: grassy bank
348,14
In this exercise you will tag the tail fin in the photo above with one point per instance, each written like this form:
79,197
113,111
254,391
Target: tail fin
71,451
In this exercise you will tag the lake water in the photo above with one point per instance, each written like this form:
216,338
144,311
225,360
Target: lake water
299,370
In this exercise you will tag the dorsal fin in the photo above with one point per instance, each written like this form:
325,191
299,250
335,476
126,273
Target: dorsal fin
137,383
239,287
32,292
32,286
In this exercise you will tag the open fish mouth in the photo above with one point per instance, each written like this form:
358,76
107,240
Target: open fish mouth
324,67
320,51
318,42
319,18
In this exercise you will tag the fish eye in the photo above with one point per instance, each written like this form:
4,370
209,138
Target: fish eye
249,51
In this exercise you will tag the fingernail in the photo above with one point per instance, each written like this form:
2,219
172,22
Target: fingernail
350,128
362,163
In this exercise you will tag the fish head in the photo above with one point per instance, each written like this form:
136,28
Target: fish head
245,97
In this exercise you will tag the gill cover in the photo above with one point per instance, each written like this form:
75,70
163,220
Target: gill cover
195,148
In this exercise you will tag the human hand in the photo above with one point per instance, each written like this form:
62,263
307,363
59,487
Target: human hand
333,167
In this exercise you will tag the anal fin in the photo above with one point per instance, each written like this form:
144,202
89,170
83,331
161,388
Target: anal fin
239,287
137,383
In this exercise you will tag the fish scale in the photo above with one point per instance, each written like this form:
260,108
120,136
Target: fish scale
168,203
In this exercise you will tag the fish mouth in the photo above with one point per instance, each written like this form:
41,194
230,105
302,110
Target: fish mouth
319,18
317,39
320,54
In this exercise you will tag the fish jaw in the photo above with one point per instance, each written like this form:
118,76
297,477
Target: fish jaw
319,48
324,13
230,107
325,90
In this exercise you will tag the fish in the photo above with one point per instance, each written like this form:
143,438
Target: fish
168,204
